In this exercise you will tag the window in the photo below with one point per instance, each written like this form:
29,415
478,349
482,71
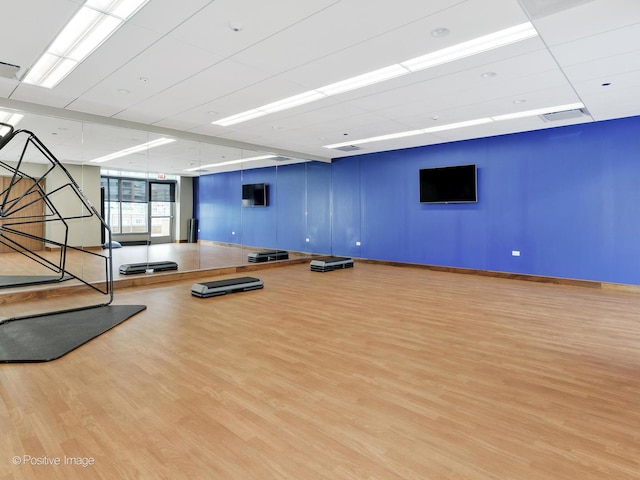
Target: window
126,207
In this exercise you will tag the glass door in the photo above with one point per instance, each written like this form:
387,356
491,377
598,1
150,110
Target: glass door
162,198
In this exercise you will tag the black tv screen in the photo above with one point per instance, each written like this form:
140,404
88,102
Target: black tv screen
254,195
456,184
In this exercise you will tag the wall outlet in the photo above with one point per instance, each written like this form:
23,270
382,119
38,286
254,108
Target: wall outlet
515,253
233,233
357,244
306,240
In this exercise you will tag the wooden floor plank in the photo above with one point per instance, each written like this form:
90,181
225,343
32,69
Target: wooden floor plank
375,372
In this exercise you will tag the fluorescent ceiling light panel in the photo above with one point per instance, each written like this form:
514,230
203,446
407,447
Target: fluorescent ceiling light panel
96,21
498,39
468,123
240,117
10,118
452,126
101,30
539,111
118,8
72,34
296,100
138,148
364,80
472,47
376,139
290,102
231,162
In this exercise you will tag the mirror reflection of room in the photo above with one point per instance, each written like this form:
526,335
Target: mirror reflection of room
172,204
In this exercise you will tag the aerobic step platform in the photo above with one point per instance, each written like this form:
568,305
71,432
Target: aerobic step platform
130,268
222,287
331,263
268,256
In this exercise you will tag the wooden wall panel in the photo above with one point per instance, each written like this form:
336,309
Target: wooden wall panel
31,208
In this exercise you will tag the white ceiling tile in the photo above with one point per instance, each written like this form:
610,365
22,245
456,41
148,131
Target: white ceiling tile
599,47
588,19
210,29
41,96
283,52
128,42
164,64
25,35
162,16
604,69
7,86
218,81
196,64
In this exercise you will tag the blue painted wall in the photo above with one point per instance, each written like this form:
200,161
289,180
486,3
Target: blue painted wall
218,207
297,216
567,198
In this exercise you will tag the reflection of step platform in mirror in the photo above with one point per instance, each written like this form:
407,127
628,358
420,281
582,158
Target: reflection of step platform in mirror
148,267
222,287
268,256
330,264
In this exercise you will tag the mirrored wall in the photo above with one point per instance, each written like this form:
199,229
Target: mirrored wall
167,199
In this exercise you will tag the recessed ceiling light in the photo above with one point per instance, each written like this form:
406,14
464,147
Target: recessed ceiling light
489,74
236,26
212,112
124,91
440,32
519,101
435,117
143,79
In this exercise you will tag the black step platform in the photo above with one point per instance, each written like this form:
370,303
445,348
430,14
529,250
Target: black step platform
331,263
150,267
222,287
268,256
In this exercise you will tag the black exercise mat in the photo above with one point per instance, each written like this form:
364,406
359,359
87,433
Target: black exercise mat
7,281
47,337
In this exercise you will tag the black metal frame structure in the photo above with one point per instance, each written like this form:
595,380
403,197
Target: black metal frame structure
12,215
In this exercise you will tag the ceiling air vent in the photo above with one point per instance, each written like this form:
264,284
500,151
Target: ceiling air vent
8,71
565,115
348,148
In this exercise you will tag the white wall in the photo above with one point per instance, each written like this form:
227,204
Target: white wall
82,232
184,209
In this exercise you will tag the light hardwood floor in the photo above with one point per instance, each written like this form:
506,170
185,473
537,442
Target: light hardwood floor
375,372
91,266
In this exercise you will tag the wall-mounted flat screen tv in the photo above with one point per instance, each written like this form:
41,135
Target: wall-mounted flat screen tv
455,184
255,195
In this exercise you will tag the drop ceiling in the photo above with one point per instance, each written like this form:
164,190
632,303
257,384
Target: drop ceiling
176,67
